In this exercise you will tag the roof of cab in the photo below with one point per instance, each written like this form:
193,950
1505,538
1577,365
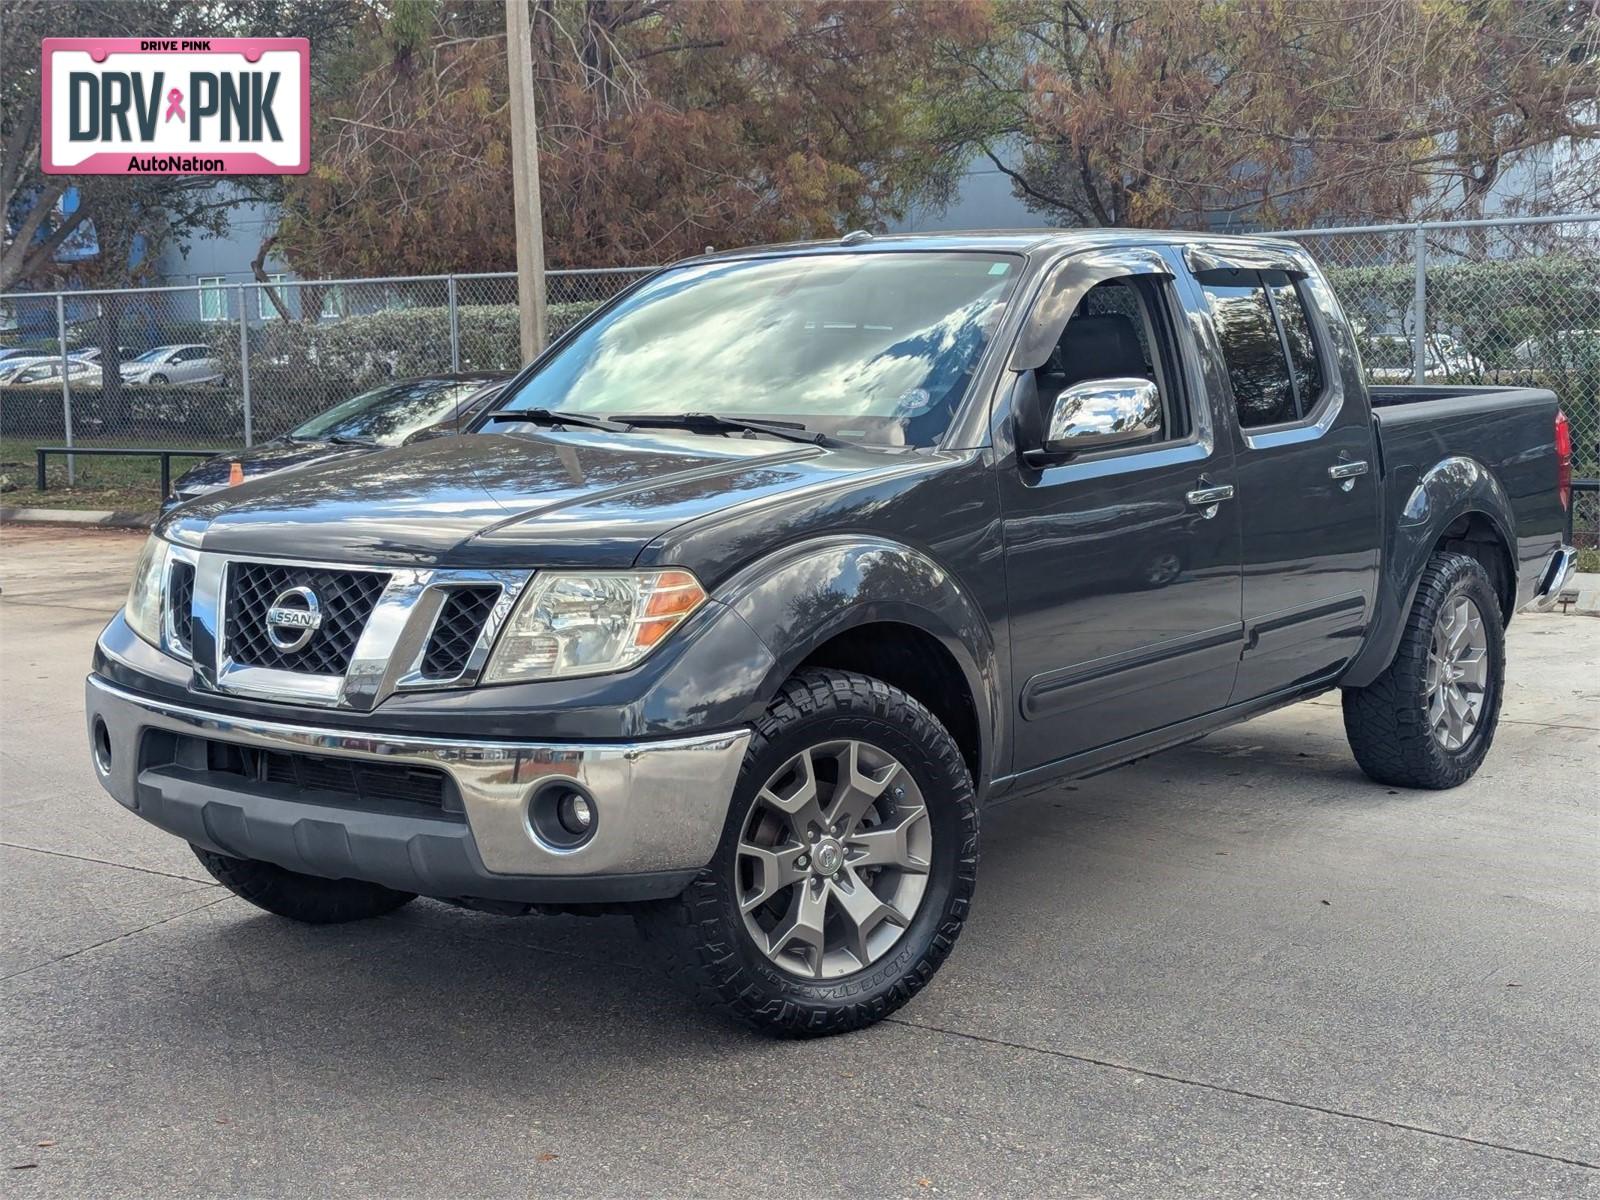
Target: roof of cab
993,241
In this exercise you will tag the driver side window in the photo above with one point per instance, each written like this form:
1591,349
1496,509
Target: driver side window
1118,331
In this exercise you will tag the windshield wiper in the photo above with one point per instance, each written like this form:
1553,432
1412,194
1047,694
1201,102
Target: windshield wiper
791,431
546,416
340,439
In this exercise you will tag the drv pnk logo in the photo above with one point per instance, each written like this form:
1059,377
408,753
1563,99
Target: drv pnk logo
210,106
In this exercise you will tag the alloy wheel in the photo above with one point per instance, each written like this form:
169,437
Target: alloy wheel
1458,673
833,859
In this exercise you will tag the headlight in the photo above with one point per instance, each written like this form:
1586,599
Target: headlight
143,610
588,623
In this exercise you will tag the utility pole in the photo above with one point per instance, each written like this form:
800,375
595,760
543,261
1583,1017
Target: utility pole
525,180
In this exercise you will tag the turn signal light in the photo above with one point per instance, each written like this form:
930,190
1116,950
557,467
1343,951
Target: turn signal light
675,596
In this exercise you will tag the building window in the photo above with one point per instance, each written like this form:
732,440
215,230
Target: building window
265,308
213,300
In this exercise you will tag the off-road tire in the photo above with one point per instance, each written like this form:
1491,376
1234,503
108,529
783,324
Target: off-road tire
307,898
1386,721
700,935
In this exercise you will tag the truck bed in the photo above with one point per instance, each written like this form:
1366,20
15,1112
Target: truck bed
1506,433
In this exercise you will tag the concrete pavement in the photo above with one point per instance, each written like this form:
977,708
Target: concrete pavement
1236,969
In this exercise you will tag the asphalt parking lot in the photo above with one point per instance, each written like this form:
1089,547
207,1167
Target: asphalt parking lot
1239,969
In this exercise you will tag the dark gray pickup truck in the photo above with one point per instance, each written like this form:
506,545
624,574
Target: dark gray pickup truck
757,585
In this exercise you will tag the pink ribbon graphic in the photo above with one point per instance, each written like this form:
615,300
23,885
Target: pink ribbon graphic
175,105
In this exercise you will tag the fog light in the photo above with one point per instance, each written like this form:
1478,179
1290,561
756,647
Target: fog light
102,746
562,815
574,813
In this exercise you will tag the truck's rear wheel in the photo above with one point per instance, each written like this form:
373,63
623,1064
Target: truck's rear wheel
308,898
846,867
1429,719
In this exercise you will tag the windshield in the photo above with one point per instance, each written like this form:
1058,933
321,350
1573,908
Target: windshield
877,348
389,414
155,355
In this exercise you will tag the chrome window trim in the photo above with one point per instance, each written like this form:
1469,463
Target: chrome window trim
387,656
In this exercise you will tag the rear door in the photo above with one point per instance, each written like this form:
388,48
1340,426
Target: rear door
1122,566
1306,470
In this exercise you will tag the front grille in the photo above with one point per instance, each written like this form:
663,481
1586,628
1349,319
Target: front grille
371,783
456,631
397,788
180,603
345,599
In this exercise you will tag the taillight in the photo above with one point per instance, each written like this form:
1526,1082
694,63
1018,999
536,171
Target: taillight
1563,460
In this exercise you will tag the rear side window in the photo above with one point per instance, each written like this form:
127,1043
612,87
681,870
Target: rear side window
1267,344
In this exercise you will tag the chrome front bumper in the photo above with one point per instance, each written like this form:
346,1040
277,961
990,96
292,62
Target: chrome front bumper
1563,561
659,805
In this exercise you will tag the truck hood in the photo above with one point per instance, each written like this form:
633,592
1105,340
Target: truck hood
511,500
256,461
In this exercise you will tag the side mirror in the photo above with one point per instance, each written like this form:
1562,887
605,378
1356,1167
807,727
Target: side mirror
428,434
1100,413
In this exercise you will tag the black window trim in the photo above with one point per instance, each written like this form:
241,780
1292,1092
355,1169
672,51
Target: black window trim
1288,354
1311,413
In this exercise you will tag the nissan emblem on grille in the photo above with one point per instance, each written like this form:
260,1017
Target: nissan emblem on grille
294,618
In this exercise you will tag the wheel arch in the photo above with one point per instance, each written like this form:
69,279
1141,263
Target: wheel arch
885,609
1458,505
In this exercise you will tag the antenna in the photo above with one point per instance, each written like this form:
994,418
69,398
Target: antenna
855,236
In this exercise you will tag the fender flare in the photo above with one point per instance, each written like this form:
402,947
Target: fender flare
1452,488
806,594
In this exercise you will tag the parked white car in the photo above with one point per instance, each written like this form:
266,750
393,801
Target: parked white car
192,363
15,362
1389,358
1559,349
46,372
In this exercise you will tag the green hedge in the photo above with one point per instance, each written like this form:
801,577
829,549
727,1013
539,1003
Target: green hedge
1490,308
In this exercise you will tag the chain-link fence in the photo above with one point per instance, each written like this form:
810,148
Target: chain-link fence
223,365
1514,301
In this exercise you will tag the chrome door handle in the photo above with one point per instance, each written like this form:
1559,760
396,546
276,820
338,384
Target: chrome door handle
1201,497
1347,470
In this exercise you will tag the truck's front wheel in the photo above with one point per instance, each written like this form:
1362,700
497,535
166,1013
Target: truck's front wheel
1428,720
846,867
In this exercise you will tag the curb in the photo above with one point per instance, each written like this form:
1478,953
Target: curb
76,516
1587,585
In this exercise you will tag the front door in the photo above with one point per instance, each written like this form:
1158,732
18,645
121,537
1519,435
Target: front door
1307,481
1122,566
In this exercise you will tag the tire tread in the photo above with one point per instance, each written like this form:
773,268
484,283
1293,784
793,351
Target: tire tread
1386,724
701,956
